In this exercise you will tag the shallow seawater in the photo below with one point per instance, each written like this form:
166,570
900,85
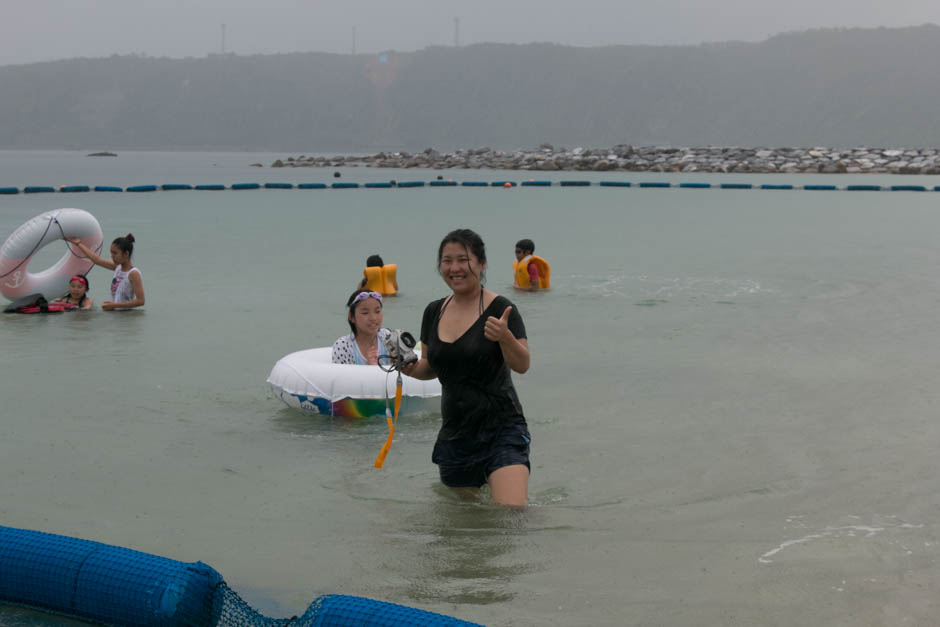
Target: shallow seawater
732,397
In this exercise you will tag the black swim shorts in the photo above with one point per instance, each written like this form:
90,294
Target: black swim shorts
466,463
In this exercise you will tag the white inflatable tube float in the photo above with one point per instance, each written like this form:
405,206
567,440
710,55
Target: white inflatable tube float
308,380
16,281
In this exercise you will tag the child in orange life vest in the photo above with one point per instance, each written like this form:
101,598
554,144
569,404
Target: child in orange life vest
530,273
379,277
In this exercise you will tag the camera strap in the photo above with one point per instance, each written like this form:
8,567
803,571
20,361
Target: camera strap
380,460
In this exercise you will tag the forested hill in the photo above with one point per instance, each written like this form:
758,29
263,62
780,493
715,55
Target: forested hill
839,88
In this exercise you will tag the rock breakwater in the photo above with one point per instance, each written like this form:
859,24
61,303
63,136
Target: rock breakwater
649,159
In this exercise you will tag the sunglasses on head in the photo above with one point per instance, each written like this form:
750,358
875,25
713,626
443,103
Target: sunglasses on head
364,295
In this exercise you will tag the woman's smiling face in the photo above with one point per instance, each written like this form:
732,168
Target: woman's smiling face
460,268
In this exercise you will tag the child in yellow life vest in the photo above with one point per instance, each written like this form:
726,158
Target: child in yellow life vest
530,272
379,277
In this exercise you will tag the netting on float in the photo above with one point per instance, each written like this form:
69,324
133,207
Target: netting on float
118,586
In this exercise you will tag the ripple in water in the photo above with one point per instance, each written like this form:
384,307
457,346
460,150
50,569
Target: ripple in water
653,291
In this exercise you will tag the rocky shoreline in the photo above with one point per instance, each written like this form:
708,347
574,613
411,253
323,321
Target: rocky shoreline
624,158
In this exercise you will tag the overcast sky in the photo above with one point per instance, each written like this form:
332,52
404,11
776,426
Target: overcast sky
42,30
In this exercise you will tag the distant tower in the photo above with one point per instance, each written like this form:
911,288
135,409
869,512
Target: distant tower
456,32
223,38
354,41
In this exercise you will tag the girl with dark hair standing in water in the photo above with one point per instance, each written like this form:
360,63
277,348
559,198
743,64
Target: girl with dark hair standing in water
127,286
470,341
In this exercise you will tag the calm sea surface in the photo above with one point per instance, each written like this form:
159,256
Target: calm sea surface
733,397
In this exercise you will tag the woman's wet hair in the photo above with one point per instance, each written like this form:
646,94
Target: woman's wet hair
351,305
469,240
526,245
125,244
374,261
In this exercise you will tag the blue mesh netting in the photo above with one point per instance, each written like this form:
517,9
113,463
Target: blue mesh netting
117,586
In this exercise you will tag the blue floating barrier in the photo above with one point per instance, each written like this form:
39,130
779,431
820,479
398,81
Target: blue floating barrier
863,188
474,184
378,185
820,188
170,187
38,189
74,188
695,185
243,186
443,183
615,184
575,183
908,188
411,184
344,185
736,186
102,583
108,188
771,186
278,186
311,186
142,188
111,585
536,183
209,188
502,184
654,184
9,190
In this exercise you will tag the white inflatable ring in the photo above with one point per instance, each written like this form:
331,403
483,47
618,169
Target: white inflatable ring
308,380
16,281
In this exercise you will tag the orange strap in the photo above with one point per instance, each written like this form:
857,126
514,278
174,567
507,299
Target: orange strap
391,425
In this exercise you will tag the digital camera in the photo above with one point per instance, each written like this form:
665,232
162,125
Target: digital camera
400,347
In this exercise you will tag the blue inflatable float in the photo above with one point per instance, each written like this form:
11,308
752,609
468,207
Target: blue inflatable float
116,586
